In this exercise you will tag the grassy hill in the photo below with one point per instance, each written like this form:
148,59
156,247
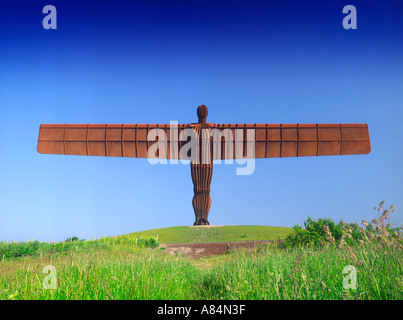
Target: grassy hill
146,238
195,234
125,269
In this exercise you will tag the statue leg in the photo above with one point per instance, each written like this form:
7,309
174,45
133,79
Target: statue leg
201,177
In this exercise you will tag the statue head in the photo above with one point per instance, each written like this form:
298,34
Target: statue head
202,113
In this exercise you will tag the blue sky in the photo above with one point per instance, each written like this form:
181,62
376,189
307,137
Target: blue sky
155,62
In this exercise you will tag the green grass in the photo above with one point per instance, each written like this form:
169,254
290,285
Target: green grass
147,238
126,267
213,234
308,274
126,272
15,250
120,272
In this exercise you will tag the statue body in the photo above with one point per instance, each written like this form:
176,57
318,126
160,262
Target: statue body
202,172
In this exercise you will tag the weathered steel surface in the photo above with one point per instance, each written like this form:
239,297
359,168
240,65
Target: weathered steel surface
202,172
269,141
272,140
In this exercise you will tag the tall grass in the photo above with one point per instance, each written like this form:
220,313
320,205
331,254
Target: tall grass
304,273
118,273
307,270
264,273
38,249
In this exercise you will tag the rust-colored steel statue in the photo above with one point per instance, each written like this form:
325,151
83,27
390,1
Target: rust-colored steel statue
211,142
202,172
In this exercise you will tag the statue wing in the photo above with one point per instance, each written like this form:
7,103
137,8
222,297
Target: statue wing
229,141
110,140
293,140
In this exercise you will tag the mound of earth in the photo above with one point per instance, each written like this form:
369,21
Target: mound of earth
206,249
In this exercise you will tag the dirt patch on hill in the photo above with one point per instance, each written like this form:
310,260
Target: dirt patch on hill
206,249
208,226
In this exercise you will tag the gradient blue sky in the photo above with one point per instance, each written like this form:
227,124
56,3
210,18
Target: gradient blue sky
156,61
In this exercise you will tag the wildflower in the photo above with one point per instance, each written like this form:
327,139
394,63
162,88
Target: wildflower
328,234
364,223
342,242
352,253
